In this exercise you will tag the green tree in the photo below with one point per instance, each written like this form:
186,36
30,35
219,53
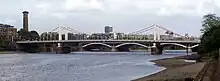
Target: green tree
44,36
33,35
2,42
211,36
23,35
6,45
209,21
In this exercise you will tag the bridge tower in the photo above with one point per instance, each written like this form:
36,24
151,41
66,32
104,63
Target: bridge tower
159,33
62,30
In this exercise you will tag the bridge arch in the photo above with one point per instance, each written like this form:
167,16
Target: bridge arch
142,45
174,44
97,44
194,46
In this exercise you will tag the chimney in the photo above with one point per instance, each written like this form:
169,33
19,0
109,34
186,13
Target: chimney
25,20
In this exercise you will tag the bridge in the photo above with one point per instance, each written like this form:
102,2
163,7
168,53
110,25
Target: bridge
115,44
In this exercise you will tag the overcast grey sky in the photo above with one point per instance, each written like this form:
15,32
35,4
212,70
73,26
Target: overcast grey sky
182,16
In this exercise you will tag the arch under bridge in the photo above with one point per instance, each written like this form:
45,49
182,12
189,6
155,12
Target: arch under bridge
127,45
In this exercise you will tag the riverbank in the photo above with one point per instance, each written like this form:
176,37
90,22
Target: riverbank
177,69
8,52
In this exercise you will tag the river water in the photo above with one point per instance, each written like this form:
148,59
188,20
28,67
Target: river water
79,66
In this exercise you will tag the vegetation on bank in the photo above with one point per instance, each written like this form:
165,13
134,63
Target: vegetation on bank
210,46
210,40
7,45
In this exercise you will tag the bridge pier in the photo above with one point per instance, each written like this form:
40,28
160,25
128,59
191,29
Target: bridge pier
43,48
80,49
48,48
65,50
113,49
188,50
157,50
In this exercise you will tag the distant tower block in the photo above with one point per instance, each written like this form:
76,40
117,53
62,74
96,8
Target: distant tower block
108,29
25,20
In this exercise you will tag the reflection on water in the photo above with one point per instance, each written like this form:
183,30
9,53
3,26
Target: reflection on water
78,66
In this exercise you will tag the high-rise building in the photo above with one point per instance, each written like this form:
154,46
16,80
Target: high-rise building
108,29
25,20
8,32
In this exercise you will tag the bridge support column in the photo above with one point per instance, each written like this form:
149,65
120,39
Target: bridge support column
80,49
44,49
66,50
113,49
51,49
158,50
54,48
189,50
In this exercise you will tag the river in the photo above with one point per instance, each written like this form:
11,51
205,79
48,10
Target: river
79,66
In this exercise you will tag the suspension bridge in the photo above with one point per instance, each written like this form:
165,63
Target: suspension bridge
115,44
155,31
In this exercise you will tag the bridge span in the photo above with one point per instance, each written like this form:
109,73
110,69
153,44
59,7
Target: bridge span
90,41
113,41
156,46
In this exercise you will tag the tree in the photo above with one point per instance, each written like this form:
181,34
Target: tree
44,36
7,45
24,35
2,42
33,35
211,36
209,21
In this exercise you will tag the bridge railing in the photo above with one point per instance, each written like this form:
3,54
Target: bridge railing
121,39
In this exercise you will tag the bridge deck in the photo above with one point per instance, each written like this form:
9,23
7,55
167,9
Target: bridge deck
72,41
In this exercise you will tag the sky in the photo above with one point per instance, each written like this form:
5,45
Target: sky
181,16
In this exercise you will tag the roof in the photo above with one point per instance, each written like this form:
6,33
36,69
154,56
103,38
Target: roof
25,12
5,26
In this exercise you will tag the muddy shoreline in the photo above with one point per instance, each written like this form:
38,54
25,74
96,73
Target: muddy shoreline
176,69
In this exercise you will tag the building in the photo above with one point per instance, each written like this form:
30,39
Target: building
25,20
8,32
108,29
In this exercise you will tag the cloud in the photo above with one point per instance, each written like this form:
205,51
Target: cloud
95,14
158,7
82,5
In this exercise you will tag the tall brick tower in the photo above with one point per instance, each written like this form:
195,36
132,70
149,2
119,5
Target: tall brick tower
25,20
